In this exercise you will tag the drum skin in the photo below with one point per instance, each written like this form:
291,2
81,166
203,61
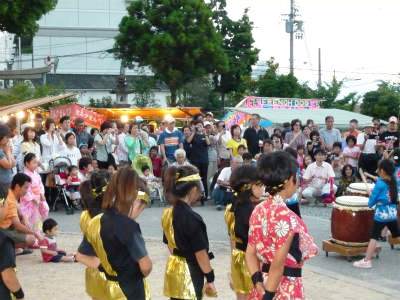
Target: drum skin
352,227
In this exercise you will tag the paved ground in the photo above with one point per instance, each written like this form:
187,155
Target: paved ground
384,275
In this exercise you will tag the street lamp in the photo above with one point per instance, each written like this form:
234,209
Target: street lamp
124,119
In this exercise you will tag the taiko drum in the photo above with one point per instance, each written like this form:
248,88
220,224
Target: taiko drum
352,221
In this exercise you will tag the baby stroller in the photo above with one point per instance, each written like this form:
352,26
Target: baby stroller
153,183
57,167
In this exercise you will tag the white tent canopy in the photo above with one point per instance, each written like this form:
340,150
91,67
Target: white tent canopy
279,116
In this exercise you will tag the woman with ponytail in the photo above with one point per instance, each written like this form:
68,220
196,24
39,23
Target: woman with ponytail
278,239
248,191
185,234
117,239
384,197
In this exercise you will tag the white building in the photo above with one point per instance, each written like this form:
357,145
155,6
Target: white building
77,34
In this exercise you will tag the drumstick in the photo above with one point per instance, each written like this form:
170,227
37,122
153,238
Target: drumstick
364,180
370,176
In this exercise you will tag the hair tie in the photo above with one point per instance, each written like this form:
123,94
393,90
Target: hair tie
245,187
194,177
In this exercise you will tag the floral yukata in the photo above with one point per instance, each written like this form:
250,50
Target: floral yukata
270,225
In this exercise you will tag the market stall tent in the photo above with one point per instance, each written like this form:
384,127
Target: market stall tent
277,116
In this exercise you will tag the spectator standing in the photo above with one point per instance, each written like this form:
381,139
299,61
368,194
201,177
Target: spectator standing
295,137
16,140
150,137
222,136
170,140
235,141
136,142
65,126
329,134
199,156
7,161
306,133
286,129
277,142
212,153
52,143
29,145
71,151
83,138
122,149
367,140
103,143
353,129
391,137
187,146
38,126
315,144
255,135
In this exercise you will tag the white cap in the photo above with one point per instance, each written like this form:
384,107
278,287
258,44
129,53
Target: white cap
393,119
206,123
210,114
169,119
138,119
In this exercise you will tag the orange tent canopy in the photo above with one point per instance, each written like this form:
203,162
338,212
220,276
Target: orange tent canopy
148,113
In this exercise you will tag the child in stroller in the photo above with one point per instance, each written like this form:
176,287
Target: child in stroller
153,184
72,183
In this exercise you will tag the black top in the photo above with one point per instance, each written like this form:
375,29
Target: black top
190,231
188,149
86,248
198,152
123,242
253,138
391,139
7,260
242,213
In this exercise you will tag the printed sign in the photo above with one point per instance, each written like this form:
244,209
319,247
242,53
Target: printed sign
279,103
74,111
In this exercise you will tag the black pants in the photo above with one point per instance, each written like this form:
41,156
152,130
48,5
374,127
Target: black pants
203,168
295,208
378,226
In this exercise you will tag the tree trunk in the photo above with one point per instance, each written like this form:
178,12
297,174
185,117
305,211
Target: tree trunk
173,97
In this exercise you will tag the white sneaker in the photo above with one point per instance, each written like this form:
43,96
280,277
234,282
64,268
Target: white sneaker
363,264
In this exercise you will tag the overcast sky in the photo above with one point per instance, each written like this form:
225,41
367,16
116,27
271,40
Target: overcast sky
358,39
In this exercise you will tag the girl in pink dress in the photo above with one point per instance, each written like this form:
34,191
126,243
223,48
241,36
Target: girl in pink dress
278,239
33,205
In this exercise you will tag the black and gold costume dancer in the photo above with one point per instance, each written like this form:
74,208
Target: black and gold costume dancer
247,194
92,195
185,233
117,240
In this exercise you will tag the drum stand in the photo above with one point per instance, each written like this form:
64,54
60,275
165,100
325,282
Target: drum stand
393,241
348,251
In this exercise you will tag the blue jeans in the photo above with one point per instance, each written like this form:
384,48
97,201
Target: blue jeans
221,196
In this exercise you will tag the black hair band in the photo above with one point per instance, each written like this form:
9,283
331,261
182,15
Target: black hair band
19,294
268,295
257,277
210,276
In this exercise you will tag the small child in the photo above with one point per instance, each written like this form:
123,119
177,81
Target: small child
248,159
112,169
336,160
300,156
73,183
351,153
156,161
48,246
241,150
348,177
33,204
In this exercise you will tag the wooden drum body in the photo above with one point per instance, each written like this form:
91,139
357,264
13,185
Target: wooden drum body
352,221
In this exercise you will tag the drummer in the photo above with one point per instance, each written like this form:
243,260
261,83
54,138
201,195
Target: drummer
384,197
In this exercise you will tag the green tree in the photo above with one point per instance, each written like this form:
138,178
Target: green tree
143,87
383,102
238,44
273,84
20,16
176,39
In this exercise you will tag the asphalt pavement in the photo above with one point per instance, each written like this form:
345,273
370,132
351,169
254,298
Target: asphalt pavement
384,274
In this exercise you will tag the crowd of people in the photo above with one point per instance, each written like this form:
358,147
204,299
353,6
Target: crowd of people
261,175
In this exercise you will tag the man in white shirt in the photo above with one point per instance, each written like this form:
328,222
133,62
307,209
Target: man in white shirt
222,138
320,177
367,142
222,194
122,150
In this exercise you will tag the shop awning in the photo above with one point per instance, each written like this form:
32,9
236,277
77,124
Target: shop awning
148,113
279,116
11,109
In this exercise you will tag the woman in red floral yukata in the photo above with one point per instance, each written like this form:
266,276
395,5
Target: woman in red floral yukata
278,239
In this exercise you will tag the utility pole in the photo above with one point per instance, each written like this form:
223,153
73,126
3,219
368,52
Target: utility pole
291,21
295,29
319,68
